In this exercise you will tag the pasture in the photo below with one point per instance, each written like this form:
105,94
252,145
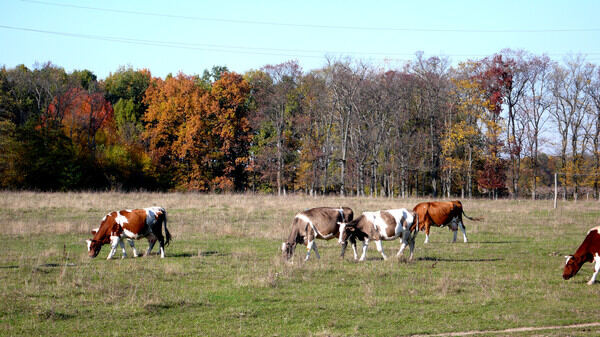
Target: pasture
223,274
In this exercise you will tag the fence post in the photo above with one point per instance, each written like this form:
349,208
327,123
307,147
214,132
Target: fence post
555,188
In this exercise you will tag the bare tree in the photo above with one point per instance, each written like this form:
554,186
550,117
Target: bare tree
515,60
344,81
593,92
568,110
533,109
278,99
434,85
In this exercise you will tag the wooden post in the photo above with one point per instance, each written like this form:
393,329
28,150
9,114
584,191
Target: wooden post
555,188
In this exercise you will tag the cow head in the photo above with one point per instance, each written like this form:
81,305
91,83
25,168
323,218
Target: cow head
94,247
287,249
345,232
572,266
348,231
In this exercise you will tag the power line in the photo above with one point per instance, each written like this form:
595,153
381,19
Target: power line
314,26
294,53
206,47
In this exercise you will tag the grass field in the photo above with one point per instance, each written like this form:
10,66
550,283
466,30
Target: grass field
223,274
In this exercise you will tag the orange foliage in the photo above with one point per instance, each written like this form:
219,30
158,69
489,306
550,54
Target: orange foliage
200,134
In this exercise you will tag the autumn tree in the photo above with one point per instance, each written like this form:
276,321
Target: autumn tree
198,138
317,138
462,139
227,107
495,79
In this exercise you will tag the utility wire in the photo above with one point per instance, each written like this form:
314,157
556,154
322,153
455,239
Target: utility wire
315,26
300,53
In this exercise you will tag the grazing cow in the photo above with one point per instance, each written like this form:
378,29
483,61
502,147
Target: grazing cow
133,225
442,213
588,251
315,223
382,225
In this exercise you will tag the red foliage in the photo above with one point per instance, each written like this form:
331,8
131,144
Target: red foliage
80,115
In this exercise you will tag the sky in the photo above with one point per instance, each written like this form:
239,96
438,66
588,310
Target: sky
191,36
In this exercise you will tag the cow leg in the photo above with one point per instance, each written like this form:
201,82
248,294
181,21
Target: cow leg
114,242
316,250
402,246
380,248
407,240
151,242
426,234
353,244
161,243
454,236
309,247
463,230
364,252
354,250
132,245
596,269
123,249
411,246
344,245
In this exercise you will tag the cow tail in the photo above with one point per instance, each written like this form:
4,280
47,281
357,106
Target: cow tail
468,217
167,234
416,230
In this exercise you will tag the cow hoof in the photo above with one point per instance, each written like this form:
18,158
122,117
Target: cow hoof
589,283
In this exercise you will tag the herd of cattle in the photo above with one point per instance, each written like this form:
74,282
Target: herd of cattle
328,223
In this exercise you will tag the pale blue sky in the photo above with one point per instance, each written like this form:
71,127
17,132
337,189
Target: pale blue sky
190,36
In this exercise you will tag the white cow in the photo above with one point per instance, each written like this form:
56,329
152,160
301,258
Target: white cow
382,226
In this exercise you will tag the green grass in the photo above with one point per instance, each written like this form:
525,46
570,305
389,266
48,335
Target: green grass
223,274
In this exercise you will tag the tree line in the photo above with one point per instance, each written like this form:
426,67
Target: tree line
496,126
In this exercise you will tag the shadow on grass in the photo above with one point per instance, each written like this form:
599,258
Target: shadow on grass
498,242
54,265
204,254
439,259
213,253
9,267
162,306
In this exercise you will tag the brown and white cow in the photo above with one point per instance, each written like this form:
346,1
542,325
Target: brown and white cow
442,213
588,251
382,226
133,225
315,223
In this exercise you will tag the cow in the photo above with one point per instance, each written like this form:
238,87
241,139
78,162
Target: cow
588,251
315,223
382,226
132,225
442,213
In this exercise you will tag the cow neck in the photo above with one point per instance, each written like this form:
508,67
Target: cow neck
102,232
292,238
591,242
